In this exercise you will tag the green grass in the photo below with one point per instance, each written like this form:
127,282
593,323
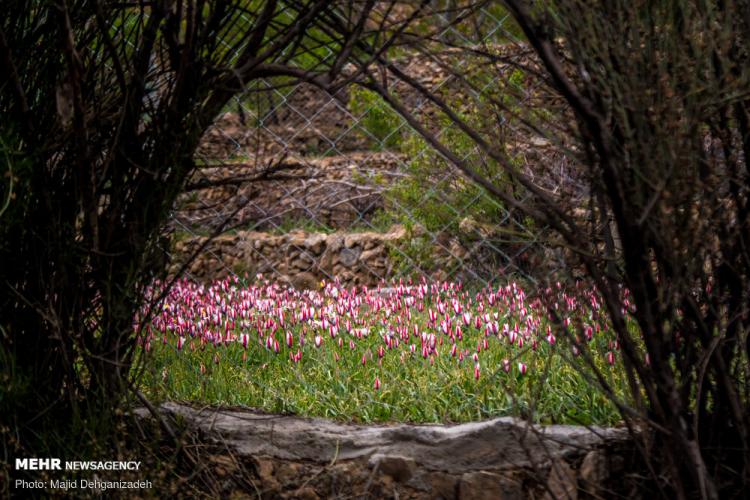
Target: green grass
331,381
414,391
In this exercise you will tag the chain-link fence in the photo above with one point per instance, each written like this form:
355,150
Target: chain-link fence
308,186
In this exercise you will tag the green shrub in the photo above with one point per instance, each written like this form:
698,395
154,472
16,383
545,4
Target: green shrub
378,121
436,201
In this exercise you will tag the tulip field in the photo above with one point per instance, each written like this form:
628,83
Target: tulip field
418,352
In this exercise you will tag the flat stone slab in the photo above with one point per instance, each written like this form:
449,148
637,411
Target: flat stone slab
498,444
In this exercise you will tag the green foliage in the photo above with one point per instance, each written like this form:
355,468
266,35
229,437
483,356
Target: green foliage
434,199
439,201
379,122
290,223
490,19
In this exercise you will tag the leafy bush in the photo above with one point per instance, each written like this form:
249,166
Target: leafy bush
378,122
434,201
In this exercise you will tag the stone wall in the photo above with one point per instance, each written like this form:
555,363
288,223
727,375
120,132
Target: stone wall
500,459
303,259
300,258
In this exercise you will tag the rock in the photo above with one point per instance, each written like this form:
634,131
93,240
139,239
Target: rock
346,276
464,448
305,493
561,482
369,255
224,465
264,468
539,141
397,232
292,253
335,242
302,262
457,250
443,486
467,225
352,239
304,281
372,277
325,263
264,268
349,256
296,238
593,472
287,472
316,243
298,264
377,263
401,469
488,485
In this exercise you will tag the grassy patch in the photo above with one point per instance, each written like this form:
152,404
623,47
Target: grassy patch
421,354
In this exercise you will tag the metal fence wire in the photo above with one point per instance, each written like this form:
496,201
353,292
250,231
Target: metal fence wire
310,186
